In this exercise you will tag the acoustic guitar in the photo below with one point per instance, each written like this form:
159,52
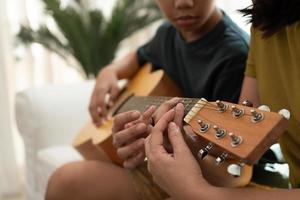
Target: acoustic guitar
225,138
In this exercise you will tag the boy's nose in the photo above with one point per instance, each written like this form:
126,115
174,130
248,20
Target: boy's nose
181,4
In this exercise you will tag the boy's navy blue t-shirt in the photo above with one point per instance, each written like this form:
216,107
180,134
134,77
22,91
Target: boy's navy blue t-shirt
211,67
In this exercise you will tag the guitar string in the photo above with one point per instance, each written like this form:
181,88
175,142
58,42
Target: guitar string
207,120
214,108
198,105
210,122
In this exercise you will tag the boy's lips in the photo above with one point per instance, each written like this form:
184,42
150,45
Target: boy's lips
185,21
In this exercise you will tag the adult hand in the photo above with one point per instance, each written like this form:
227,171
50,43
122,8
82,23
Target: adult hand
106,83
177,172
131,128
129,132
165,107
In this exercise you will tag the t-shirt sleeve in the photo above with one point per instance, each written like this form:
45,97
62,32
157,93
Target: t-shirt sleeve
151,51
250,65
228,84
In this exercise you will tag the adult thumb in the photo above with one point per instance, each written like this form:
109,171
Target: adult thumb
176,138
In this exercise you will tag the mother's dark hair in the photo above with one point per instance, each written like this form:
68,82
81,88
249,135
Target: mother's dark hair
271,15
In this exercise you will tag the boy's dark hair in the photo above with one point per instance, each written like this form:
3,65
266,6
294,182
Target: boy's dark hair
270,16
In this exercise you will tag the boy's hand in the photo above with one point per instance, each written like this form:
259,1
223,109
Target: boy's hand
131,128
106,83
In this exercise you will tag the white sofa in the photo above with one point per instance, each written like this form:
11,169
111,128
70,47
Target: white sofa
48,119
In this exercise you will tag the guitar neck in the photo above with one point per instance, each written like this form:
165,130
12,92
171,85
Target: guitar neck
141,103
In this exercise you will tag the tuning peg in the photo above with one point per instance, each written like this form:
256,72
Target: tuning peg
234,170
222,107
235,140
256,117
203,126
285,113
221,158
219,132
236,112
264,108
247,103
204,152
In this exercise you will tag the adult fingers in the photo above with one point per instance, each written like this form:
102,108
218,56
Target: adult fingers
144,118
127,135
179,112
123,118
163,122
134,161
148,113
165,107
132,149
168,105
176,138
156,138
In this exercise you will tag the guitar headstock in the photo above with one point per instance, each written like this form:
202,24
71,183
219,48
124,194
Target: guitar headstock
240,132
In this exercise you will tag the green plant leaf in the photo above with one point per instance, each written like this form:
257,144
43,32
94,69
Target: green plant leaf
90,38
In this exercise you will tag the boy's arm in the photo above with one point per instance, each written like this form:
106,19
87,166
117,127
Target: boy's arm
107,83
125,67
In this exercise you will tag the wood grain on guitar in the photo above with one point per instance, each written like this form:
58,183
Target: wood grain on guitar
230,137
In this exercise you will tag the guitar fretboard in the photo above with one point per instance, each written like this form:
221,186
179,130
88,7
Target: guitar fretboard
142,103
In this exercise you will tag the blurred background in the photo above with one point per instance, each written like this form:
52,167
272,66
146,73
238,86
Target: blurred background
49,48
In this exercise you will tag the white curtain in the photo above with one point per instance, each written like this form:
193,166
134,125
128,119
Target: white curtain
9,181
231,7
21,68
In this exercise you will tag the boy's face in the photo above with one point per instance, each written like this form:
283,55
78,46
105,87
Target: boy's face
187,15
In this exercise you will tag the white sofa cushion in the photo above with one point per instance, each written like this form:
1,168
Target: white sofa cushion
49,116
49,159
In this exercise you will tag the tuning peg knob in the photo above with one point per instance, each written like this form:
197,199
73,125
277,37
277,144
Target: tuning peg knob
203,126
256,117
234,170
235,140
237,112
264,108
285,113
247,103
204,152
221,106
219,132
221,158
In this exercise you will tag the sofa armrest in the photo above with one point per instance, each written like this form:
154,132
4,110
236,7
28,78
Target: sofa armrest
49,116
52,115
